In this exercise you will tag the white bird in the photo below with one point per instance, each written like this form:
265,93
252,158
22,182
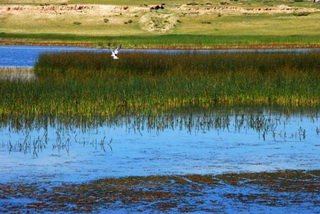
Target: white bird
114,52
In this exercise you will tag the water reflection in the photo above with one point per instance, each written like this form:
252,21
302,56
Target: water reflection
34,136
202,143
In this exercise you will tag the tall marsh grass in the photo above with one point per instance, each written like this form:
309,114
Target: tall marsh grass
94,85
84,63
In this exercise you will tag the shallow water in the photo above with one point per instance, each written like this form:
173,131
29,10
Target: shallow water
26,56
189,144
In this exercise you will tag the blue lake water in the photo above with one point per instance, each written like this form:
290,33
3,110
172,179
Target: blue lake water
26,56
194,144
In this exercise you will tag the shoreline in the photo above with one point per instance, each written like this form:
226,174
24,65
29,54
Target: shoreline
214,47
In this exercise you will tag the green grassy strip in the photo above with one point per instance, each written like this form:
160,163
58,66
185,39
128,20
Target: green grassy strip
172,40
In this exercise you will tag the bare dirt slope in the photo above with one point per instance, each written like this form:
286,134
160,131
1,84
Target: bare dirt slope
149,17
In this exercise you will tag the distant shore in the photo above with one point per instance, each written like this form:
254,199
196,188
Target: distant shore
173,47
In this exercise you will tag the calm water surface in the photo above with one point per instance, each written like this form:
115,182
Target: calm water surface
192,144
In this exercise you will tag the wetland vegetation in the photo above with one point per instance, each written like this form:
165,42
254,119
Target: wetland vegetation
231,193
93,85
173,122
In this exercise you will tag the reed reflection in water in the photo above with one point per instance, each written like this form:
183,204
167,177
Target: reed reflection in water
176,144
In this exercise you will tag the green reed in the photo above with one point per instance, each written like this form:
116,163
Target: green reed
89,84
155,64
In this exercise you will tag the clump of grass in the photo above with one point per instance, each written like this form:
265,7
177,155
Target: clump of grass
186,64
301,13
128,22
95,85
192,3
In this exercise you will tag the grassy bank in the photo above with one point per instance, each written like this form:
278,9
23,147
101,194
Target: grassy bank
166,41
134,24
92,84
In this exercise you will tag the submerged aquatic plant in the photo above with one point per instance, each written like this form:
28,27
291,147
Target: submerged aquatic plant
290,190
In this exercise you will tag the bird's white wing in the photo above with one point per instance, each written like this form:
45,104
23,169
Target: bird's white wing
112,52
116,51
